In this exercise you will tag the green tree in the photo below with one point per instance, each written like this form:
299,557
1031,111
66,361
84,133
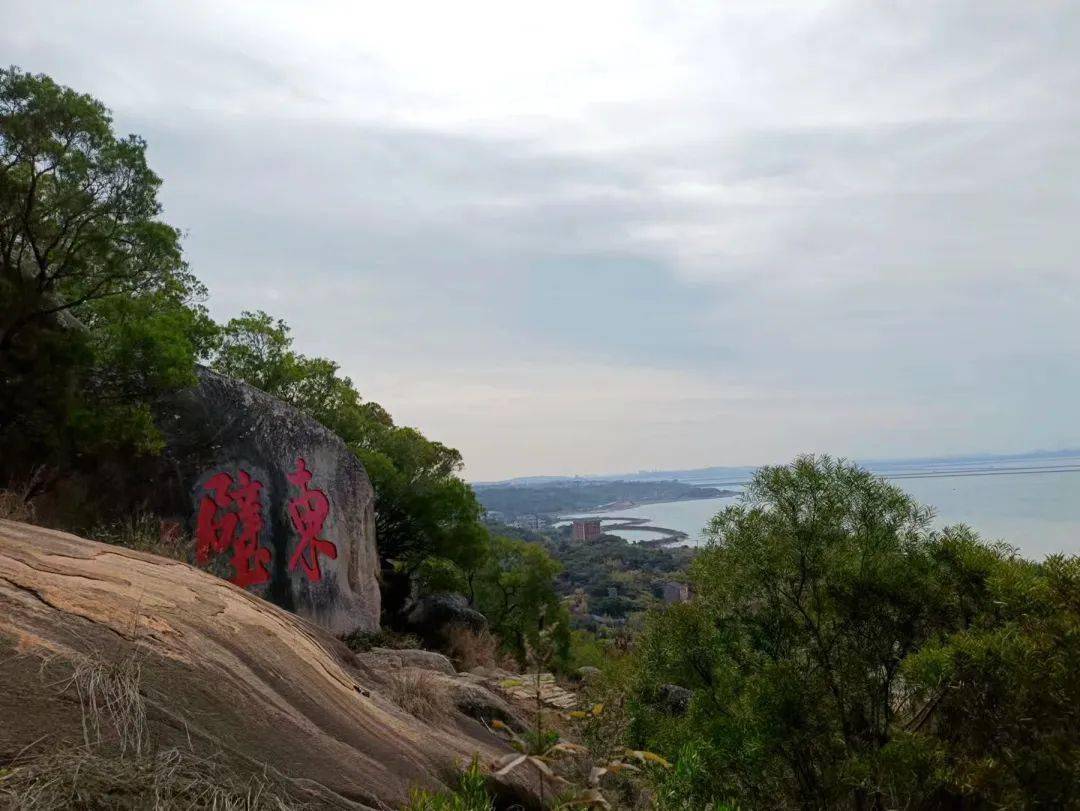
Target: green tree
834,642
514,587
78,209
1000,698
98,313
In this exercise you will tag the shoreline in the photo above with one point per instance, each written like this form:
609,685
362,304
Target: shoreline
629,505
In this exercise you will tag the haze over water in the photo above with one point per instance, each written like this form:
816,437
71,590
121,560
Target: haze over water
1032,503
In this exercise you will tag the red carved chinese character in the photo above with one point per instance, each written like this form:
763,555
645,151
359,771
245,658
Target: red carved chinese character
308,512
239,528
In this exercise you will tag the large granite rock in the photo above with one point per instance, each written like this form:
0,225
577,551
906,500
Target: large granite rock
273,501
220,674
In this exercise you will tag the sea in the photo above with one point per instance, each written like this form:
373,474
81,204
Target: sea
1031,502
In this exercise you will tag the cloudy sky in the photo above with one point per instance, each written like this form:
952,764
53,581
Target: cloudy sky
604,236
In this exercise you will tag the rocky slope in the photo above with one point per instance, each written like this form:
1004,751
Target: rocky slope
225,674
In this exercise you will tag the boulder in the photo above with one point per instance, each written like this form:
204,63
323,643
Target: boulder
399,658
221,674
675,700
433,616
477,701
273,501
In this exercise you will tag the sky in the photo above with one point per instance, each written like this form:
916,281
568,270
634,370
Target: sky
600,237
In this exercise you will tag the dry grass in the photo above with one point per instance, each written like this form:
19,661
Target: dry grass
15,507
119,766
419,693
111,701
146,533
469,649
93,778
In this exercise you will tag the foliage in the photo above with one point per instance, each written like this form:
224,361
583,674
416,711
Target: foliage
636,572
470,795
513,587
167,779
144,532
843,654
1002,699
420,694
78,207
98,312
469,649
120,763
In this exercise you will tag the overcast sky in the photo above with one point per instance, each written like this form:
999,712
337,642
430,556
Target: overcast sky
597,237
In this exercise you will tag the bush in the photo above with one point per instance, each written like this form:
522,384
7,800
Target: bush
146,533
470,795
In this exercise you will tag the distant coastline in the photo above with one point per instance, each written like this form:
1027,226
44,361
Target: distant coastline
630,504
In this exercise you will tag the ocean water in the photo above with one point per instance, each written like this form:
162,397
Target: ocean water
1030,503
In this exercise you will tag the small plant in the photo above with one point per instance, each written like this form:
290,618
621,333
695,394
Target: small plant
145,532
540,746
471,794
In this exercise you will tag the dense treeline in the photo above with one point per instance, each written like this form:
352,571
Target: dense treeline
100,317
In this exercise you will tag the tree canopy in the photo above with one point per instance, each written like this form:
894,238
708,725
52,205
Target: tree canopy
98,312
842,653
78,208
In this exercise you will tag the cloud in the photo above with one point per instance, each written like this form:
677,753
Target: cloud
569,238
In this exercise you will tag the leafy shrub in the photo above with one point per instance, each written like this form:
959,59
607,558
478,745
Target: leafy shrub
146,533
470,795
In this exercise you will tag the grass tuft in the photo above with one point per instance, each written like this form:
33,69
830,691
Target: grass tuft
146,533
419,693
111,701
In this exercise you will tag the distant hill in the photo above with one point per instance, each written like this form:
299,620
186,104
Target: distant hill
725,475
578,495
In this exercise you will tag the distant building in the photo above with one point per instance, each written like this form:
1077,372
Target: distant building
494,517
586,529
676,592
530,522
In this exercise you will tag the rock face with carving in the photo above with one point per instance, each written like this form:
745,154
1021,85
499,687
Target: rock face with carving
273,501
